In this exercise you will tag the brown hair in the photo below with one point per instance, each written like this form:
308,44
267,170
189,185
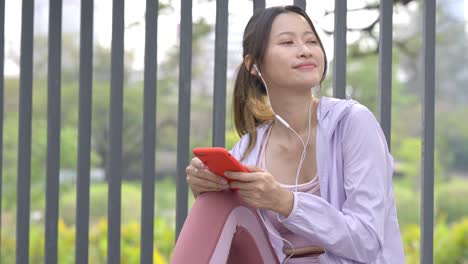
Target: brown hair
251,107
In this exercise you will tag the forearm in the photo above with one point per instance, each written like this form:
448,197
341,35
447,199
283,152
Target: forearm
345,235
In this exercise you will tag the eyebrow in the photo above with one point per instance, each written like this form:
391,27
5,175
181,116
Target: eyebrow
291,33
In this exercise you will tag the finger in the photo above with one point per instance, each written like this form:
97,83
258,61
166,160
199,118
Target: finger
205,185
197,163
253,168
240,176
192,171
205,174
210,176
242,185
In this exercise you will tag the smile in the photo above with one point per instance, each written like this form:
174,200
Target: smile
306,66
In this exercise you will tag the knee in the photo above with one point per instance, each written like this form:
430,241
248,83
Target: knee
220,202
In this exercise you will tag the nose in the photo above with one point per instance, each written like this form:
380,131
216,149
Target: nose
304,51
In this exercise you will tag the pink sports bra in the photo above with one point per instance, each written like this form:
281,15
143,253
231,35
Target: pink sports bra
311,187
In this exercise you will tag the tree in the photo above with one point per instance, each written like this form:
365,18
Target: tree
369,32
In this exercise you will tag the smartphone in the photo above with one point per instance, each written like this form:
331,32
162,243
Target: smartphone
219,160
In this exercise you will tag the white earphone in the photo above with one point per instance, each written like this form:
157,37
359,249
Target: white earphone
303,155
277,116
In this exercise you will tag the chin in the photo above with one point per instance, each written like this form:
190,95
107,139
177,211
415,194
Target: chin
305,86
309,84
303,83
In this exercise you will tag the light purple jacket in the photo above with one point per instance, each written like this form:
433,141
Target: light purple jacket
355,218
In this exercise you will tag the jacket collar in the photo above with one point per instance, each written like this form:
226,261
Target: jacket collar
330,112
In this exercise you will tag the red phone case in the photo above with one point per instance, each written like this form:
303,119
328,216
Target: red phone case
218,160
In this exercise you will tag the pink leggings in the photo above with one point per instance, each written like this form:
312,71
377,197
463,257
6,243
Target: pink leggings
221,228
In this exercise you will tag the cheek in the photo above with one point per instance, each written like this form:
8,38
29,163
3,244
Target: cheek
275,65
319,55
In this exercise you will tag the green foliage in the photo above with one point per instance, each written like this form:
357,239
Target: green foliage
131,130
164,237
68,140
8,248
450,200
133,114
131,203
68,156
362,80
408,152
130,243
231,138
452,136
450,242
451,229
408,206
165,199
411,243
448,203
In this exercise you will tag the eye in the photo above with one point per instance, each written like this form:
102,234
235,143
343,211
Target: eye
312,41
286,42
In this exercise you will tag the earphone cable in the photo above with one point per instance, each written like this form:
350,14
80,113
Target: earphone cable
303,154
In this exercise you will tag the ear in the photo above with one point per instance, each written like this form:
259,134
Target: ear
248,65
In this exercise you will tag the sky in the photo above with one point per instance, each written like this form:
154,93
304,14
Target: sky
167,23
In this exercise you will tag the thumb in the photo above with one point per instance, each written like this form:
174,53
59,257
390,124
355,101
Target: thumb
253,168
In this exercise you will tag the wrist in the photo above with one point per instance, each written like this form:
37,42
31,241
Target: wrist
286,203
195,193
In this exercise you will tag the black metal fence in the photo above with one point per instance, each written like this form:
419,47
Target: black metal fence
149,124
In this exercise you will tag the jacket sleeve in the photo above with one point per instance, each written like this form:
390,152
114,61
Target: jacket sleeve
355,232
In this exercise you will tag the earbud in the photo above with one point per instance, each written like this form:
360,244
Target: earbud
266,87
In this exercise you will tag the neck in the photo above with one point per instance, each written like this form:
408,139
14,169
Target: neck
294,109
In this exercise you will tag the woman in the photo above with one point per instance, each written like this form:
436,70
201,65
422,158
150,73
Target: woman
320,183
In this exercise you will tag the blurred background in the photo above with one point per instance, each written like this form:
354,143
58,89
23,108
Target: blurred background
451,137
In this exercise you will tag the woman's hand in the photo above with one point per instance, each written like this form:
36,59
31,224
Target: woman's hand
259,189
200,179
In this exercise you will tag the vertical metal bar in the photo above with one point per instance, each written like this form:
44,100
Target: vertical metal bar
114,169
427,179
53,130
339,65
183,131
258,5
149,132
24,138
2,55
219,96
385,68
300,3
84,131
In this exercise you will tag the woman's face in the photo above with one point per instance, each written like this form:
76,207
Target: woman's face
293,56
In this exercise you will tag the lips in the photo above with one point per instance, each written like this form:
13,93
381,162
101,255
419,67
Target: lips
305,65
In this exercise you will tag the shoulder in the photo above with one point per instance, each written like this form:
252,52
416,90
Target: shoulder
359,116
348,116
241,146
334,110
361,130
